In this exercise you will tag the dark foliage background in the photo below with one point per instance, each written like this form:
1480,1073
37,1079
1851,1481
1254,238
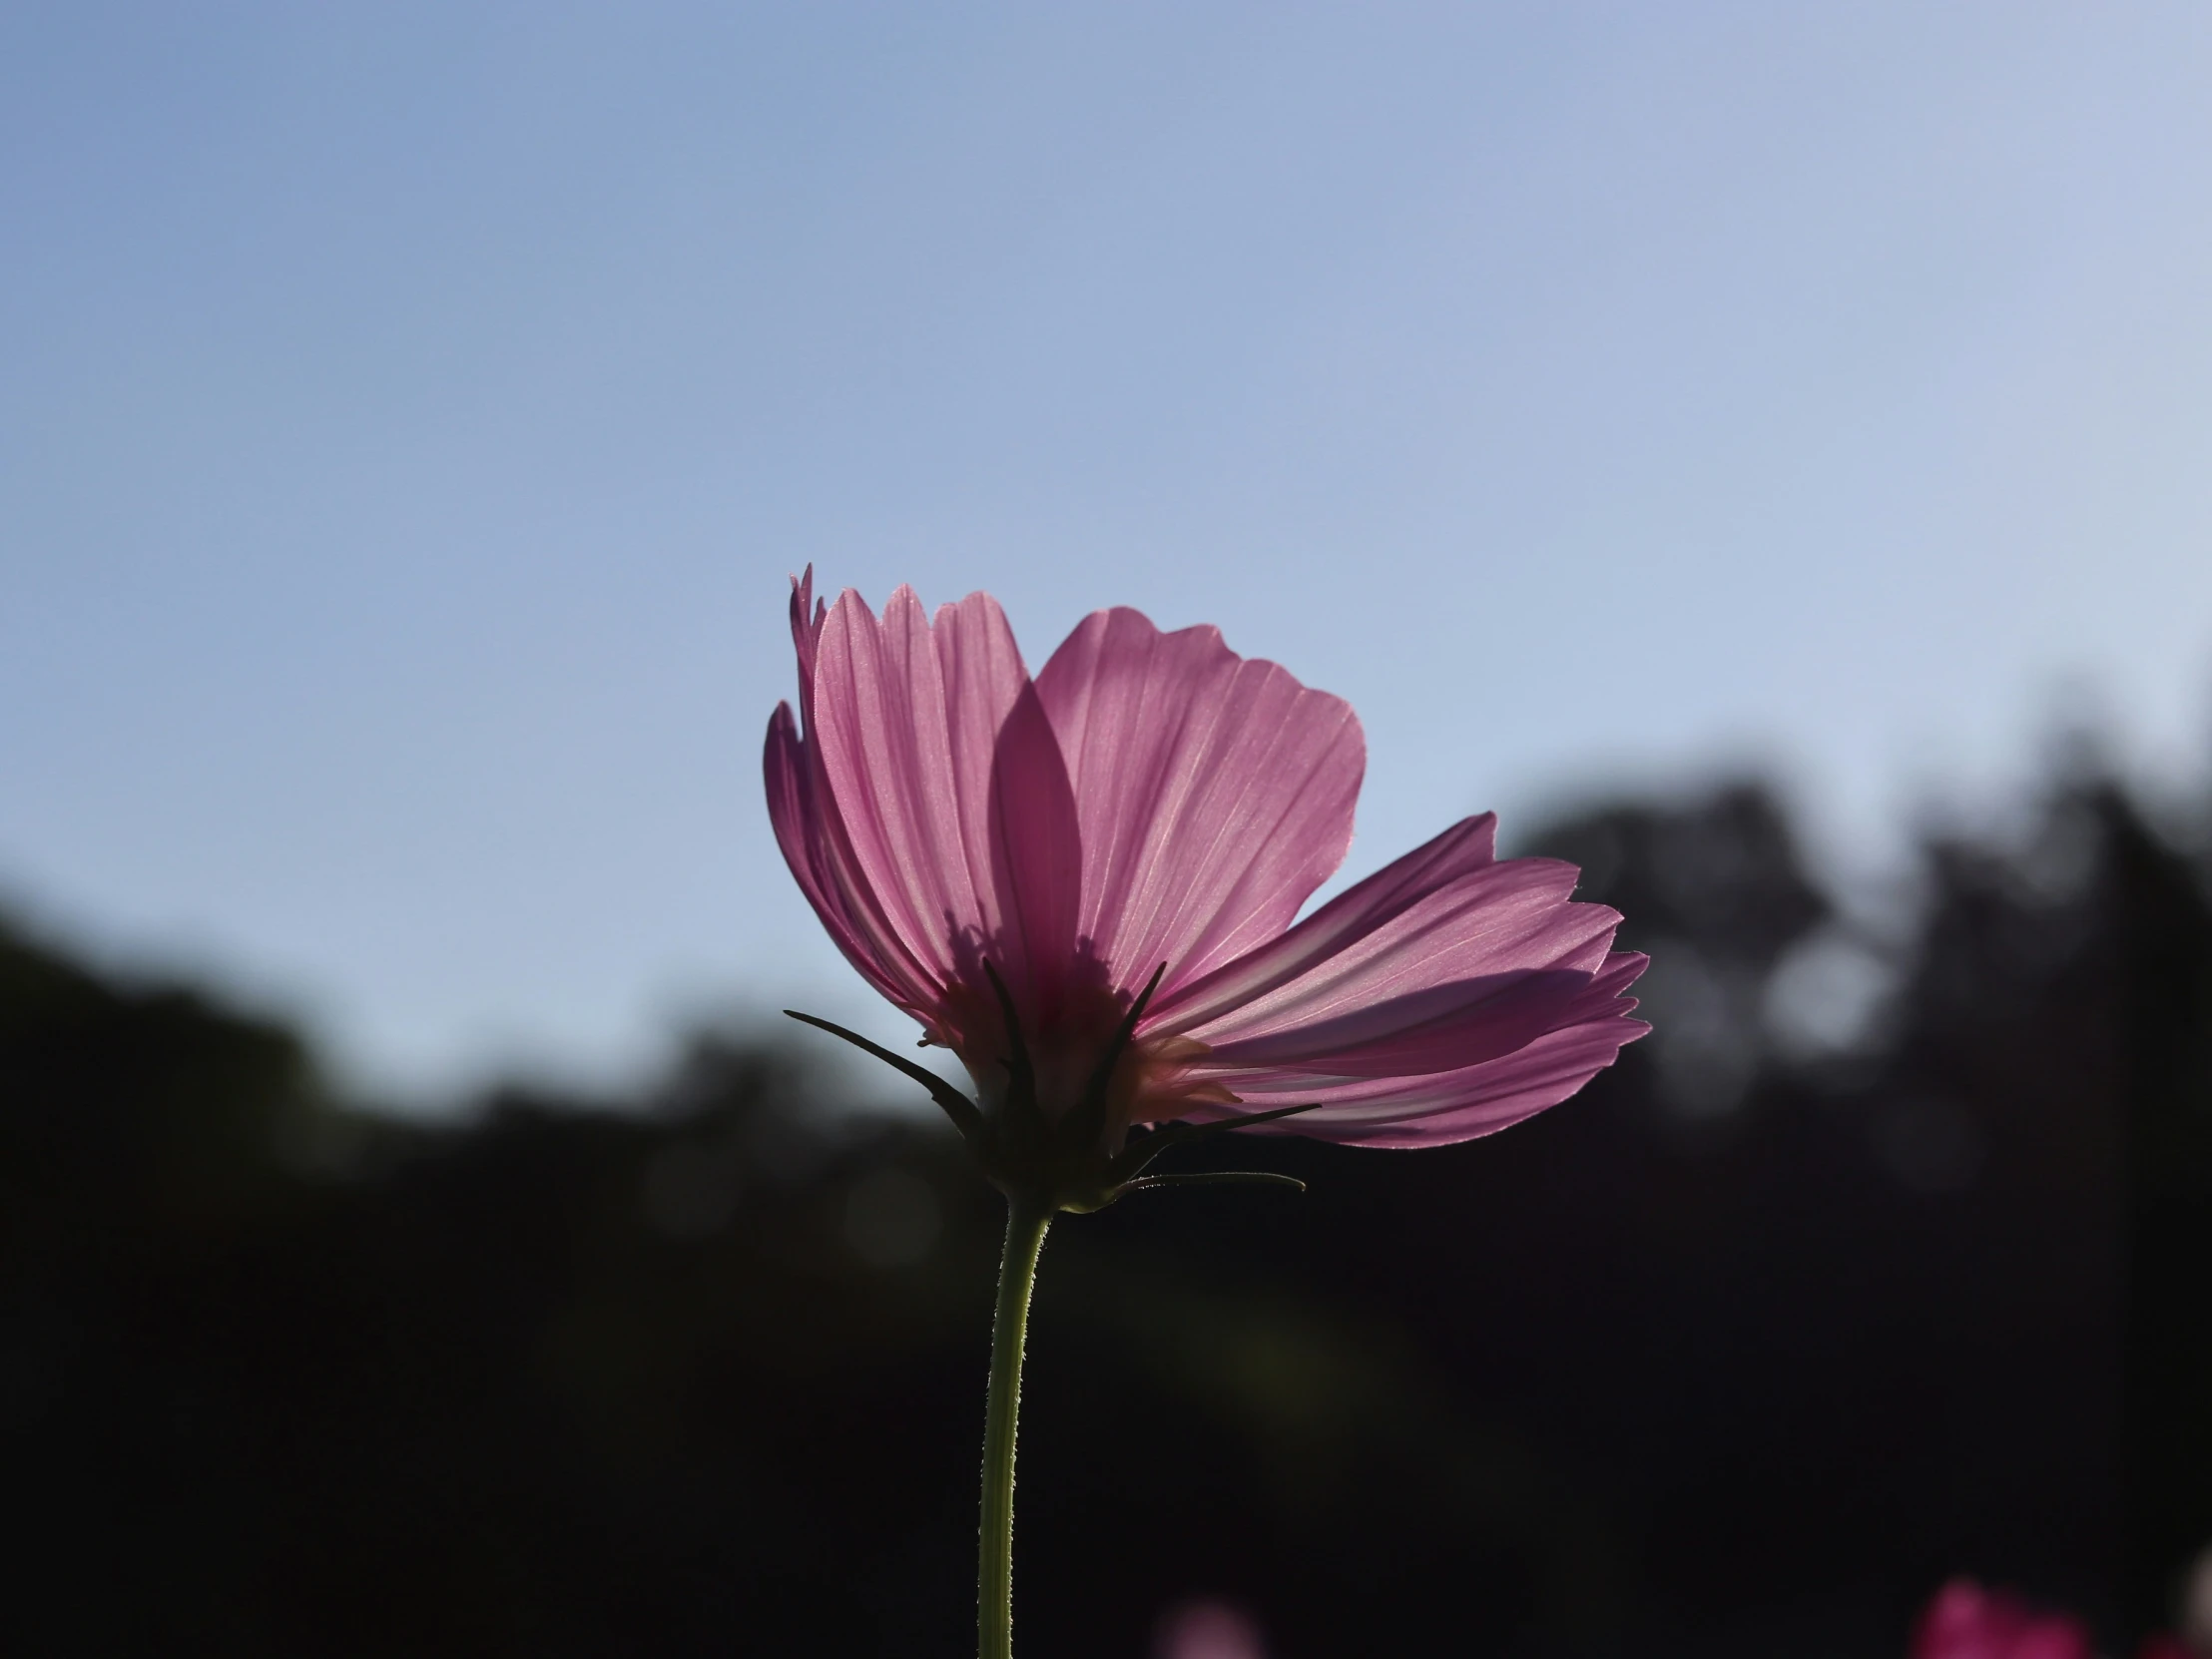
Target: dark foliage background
1783,1320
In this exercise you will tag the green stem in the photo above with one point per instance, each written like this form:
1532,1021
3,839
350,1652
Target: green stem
1017,1276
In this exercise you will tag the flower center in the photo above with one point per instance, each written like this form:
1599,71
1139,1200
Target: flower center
1150,1080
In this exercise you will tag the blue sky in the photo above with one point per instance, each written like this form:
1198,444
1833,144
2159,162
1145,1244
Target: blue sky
409,413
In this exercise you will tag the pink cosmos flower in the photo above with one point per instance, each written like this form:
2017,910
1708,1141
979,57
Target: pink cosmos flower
1965,1621
1087,885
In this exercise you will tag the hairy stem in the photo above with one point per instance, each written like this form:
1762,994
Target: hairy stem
1017,1276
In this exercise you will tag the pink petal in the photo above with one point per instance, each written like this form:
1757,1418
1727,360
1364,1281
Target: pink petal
1214,794
811,843
1446,1107
941,772
806,618
1443,997
813,839
1442,1028
1468,846
1036,852
1473,940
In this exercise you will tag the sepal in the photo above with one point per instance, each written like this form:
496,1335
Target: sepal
962,1111
1217,1178
1064,1164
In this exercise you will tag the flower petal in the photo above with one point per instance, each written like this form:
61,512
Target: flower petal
1215,794
949,789
1468,846
809,843
1446,996
1457,948
1446,1107
1036,855
806,618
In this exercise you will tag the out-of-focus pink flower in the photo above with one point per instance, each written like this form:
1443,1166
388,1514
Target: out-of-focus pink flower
1207,1630
1965,1621
1154,805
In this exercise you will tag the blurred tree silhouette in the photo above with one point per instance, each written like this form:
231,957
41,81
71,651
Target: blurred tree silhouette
1784,1320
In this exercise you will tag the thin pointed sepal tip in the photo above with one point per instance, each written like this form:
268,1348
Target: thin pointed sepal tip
966,1115
1218,1178
1132,1159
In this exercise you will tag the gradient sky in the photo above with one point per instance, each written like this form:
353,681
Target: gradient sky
409,414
